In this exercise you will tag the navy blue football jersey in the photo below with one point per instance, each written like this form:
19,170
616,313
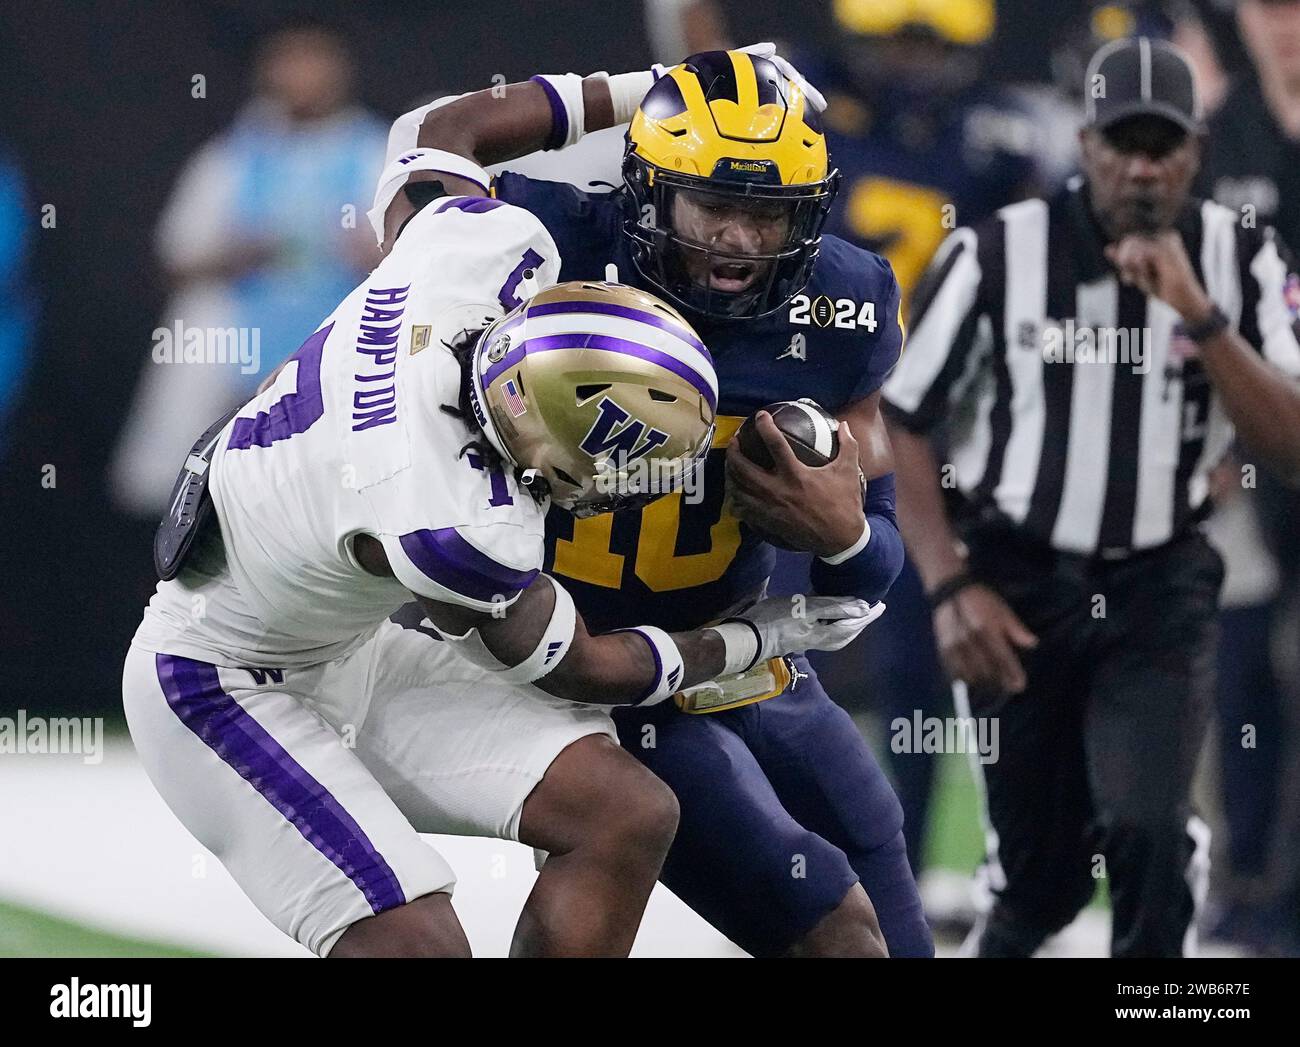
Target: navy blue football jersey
675,564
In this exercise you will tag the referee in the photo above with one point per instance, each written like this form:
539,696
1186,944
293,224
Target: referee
1093,354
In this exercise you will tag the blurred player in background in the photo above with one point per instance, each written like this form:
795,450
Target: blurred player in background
923,141
1252,165
786,816
305,739
259,234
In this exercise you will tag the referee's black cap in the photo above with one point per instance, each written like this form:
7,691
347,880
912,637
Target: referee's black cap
1139,76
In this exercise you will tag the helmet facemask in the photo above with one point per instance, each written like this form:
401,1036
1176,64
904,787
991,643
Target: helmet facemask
727,127
667,220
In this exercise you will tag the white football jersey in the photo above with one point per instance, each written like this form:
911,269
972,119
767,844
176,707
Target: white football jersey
352,439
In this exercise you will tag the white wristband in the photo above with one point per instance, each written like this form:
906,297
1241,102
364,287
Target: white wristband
403,166
626,90
740,639
852,550
669,668
568,110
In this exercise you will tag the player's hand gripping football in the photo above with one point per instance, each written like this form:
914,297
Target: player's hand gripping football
813,508
787,625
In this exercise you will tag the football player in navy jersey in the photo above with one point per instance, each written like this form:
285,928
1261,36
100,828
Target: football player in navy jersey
790,839
923,145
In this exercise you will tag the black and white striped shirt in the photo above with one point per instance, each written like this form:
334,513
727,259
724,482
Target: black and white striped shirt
1094,453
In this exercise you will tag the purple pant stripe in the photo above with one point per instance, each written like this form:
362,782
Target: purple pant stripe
194,692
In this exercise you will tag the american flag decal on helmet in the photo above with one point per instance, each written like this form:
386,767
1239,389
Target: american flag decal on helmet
515,402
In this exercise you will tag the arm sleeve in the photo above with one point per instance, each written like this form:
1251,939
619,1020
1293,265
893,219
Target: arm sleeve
478,567
946,339
870,574
1270,314
404,135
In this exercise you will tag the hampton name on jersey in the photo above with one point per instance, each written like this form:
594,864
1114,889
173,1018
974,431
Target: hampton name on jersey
835,342
349,440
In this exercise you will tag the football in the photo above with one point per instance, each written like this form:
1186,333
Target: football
811,432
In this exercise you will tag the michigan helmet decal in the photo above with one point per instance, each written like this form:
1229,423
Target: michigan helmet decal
727,186
604,390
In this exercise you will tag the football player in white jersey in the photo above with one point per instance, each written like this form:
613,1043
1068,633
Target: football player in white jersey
412,446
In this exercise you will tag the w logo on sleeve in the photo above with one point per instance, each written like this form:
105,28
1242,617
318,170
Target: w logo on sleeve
623,437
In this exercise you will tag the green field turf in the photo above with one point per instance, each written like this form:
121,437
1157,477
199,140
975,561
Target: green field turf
27,932
954,838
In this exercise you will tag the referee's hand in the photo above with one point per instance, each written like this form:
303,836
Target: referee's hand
1158,265
979,639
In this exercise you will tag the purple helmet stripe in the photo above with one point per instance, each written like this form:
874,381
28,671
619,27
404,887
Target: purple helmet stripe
448,559
608,344
559,118
194,692
606,308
